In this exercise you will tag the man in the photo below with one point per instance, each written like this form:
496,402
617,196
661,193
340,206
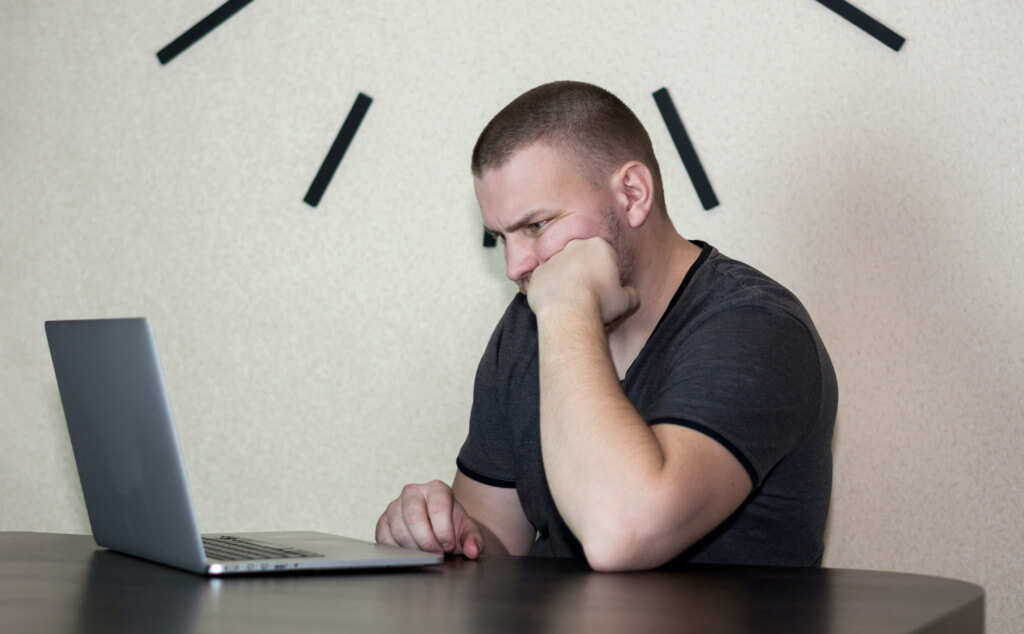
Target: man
644,399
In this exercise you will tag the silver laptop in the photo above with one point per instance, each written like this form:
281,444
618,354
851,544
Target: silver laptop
133,479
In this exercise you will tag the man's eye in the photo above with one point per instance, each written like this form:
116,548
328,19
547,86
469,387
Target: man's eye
537,226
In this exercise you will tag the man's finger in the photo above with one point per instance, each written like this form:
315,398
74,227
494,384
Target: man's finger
473,546
394,527
472,543
470,538
440,504
383,532
417,521
386,532
632,298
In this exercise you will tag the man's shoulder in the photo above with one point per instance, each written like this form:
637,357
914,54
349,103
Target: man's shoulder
727,273
723,283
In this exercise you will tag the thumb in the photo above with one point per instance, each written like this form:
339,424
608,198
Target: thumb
633,297
623,303
473,546
470,538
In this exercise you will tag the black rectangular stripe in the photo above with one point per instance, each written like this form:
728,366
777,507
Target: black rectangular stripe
866,23
337,151
479,477
489,240
686,150
748,466
204,26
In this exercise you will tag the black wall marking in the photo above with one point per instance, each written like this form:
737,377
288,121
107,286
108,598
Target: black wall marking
866,23
204,26
489,240
686,151
341,142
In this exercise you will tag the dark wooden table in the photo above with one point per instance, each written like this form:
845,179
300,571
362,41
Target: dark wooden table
64,583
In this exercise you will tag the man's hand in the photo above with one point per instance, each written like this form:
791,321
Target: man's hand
582,277
428,517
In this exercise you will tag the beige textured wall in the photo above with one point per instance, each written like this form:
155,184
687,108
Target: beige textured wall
317,359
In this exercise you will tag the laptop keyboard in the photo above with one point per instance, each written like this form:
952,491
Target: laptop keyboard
232,548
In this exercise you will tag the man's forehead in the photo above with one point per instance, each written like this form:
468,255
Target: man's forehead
538,178
512,200
536,154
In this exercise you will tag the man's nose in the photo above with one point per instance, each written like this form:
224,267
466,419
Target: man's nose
520,260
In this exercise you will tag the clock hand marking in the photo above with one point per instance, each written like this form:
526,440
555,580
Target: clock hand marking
866,23
341,142
201,28
686,150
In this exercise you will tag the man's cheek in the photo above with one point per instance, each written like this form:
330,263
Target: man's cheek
552,242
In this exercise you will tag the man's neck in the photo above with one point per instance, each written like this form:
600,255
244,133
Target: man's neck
657,279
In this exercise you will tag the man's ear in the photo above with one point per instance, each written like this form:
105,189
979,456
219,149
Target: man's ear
634,188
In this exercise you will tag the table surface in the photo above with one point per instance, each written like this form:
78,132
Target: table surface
65,583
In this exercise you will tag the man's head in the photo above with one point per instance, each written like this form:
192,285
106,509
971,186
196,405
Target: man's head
563,161
599,131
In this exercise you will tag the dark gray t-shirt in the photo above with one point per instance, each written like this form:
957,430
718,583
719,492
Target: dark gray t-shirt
736,357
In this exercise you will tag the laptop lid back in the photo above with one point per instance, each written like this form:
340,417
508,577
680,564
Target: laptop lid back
122,434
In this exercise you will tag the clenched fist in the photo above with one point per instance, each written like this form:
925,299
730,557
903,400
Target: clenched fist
428,517
583,276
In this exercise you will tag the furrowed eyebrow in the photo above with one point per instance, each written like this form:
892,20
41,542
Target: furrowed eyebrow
528,219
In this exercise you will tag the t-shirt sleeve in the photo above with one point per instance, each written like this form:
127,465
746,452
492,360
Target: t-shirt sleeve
487,453
749,378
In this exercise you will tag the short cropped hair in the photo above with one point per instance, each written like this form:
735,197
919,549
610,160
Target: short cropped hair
600,131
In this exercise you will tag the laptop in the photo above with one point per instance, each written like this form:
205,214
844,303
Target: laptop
133,478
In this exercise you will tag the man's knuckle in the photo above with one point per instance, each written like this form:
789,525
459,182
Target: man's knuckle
414,516
438,506
401,533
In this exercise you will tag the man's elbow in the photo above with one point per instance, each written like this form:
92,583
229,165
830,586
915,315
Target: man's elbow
613,559
624,548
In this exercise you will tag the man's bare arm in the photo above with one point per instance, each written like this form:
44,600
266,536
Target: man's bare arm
498,513
634,495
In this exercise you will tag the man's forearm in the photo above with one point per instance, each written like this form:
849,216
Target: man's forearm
601,458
